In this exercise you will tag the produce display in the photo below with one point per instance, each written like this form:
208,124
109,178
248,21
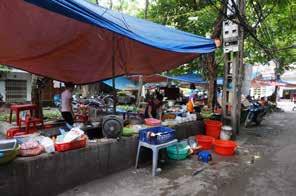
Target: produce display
127,108
128,131
205,113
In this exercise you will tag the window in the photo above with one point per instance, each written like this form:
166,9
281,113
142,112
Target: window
16,91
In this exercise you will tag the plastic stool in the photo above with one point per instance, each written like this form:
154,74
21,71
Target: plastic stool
155,149
204,156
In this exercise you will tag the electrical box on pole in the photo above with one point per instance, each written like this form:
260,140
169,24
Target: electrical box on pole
233,40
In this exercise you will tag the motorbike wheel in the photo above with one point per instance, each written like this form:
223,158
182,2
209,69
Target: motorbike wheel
258,122
259,118
248,120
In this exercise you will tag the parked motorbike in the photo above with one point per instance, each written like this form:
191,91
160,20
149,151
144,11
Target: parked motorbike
1,99
103,103
255,114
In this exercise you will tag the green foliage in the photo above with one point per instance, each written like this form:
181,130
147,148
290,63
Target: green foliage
4,68
51,114
126,6
197,17
184,15
275,32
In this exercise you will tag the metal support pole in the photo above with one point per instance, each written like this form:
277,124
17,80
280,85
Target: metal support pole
113,75
139,90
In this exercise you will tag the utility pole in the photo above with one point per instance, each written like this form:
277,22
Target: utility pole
233,44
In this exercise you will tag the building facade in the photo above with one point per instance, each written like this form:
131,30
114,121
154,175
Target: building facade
15,86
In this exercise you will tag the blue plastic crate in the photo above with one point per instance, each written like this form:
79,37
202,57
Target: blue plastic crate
166,135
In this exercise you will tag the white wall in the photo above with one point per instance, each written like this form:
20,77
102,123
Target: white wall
29,88
16,75
264,91
2,89
281,90
246,84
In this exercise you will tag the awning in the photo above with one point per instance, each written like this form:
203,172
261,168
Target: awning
255,83
122,83
75,41
154,78
189,78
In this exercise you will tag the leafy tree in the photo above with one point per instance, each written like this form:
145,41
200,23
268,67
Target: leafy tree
269,27
268,24
276,35
198,17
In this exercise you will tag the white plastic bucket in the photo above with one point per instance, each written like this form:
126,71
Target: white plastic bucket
226,132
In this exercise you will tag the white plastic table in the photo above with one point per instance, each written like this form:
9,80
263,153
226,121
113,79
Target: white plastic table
155,149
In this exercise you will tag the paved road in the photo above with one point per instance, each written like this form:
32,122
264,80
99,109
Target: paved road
265,166
274,174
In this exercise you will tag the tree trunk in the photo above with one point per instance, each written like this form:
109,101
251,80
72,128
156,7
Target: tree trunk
211,63
36,96
146,9
212,74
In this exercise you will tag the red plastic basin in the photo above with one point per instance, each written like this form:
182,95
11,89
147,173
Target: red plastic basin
225,148
206,142
213,128
81,143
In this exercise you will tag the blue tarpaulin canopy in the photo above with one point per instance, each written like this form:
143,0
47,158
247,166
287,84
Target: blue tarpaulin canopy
190,78
123,83
144,31
76,41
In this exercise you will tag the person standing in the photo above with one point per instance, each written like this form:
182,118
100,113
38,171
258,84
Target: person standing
191,103
154,108
66,105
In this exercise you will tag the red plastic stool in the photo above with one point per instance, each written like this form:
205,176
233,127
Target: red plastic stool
12,132
81,118
30,123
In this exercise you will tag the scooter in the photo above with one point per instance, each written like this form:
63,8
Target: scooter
255,114
1,100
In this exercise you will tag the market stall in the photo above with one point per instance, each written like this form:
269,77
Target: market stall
75,37
76,41
52,173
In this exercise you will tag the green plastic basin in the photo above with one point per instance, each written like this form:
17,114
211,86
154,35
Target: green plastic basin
180,154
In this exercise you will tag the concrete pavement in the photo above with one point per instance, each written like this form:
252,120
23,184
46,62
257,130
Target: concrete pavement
275,172
264,165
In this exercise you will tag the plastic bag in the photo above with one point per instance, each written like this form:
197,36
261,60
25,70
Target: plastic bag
30,149
73,134
29,145
47,144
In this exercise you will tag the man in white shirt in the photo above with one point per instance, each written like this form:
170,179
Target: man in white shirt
66,108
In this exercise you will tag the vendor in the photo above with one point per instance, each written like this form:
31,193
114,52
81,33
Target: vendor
154,107
66,109
191,103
